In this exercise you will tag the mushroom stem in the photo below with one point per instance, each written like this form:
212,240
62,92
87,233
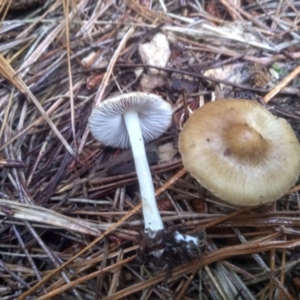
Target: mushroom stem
152,219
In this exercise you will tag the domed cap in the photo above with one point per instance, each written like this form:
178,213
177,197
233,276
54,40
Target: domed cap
107,123
240,152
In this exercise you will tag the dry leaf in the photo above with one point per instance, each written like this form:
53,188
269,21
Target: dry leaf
156,52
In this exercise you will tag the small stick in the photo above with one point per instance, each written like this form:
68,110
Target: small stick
294,189
171,181
223,219
106,78
281,85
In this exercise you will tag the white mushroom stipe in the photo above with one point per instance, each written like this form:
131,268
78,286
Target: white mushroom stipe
186,238
130,120
157,253
151,214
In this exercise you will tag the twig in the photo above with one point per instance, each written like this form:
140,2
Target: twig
106,77
281,85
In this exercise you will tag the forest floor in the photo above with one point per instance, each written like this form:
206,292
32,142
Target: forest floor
70,210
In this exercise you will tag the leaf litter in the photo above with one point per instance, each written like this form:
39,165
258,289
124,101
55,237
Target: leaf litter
69,207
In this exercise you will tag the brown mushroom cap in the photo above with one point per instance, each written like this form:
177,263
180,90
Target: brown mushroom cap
240,152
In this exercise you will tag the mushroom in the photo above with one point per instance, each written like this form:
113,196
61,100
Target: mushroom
129,120
240,152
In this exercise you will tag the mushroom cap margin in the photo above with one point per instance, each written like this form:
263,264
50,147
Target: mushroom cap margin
241,183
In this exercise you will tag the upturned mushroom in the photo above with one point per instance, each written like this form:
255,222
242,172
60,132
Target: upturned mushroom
240,152
129,120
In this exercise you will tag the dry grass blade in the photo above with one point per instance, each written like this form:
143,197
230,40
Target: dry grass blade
217,255
107,76
203,30
70,212
85,278
42,215
9,73
66,11
4,7
111,229
81,252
